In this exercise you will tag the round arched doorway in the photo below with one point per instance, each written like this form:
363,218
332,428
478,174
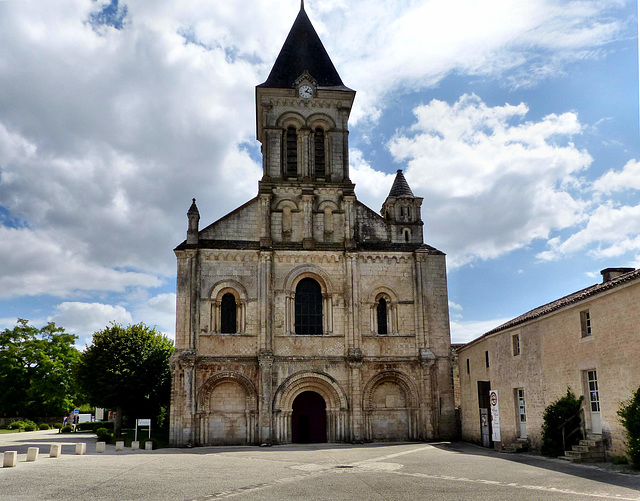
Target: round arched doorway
309,419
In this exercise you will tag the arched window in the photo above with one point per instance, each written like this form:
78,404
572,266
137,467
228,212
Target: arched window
308,307
228,314
407,234
381,312
291,169
320,170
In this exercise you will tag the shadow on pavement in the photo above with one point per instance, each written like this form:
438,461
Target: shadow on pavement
585,470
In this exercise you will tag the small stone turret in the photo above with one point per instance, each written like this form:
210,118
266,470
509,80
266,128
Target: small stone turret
193,214
402,211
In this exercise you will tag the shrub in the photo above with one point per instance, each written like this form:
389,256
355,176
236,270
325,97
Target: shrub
565,411
44,426
16,425
620,460
57,425
30,426
630,418
103,424
66,429
86,426
103,435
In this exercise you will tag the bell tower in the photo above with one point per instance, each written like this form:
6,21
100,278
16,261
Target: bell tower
302,113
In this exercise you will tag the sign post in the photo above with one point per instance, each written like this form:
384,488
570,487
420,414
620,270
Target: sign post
143,422
495,415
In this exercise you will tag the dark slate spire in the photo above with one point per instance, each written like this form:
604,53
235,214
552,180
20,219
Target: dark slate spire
302,50
400,186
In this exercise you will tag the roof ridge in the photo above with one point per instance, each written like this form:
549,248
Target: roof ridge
574,297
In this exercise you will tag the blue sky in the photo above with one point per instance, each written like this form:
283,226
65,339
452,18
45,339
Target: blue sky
516,121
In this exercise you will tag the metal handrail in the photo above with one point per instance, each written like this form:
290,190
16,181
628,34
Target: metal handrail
581,427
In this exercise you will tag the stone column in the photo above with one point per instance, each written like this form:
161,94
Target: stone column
265,421
265,220
421,301
427,418
307,217
304,150
354,359
349,221
265,300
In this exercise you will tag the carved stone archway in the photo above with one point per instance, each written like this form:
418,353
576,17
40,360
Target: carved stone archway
227,410
337,407
391,408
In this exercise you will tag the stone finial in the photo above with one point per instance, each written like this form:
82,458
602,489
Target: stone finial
194,219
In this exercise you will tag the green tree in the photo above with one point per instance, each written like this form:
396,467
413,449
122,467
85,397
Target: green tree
564,413
36,370
630,418
127,369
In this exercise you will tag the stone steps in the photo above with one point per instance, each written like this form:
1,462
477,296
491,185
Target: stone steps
520,445
590,450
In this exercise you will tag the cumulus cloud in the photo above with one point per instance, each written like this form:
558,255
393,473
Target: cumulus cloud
463,332
500,181
413,45
626,179
84,319
159,311
610,232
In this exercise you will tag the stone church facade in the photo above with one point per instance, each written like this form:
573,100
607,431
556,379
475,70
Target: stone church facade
303,315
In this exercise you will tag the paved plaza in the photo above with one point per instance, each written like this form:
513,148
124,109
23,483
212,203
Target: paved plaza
406,471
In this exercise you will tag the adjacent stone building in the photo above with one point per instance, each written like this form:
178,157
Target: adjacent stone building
303,315
587,341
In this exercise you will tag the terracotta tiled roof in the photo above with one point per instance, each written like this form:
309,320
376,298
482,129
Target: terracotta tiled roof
576,297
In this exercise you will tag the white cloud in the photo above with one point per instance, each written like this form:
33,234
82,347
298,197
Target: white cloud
159,311
413,45
611,232
463,332
84,319
626,179
35,262
455,306
500,181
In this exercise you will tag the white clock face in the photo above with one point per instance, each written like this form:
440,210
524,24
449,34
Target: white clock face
305,91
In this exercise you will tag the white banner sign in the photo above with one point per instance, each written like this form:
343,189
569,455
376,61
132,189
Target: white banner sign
144,422
495,416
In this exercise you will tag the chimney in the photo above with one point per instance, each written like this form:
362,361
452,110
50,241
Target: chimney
609,274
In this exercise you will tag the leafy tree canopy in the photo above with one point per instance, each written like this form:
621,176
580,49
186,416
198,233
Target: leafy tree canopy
36,370
127,369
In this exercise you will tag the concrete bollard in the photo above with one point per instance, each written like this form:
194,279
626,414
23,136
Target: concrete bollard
10,459
101,446
119,445
56,450
32,453
81,449
148,446
135,445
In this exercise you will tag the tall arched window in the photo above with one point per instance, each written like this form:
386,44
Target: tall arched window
228,314
320,169
381,312
308,307
292,152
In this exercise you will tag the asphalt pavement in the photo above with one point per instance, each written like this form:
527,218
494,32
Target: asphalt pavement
403,471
